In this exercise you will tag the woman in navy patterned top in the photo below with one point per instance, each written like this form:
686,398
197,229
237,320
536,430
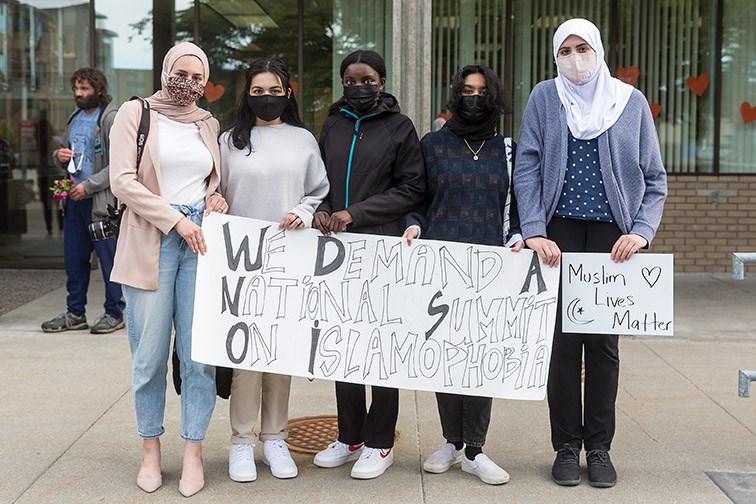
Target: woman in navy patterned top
469,199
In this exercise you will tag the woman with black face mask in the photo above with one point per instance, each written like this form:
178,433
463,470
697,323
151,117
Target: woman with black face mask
271,170
469,168
372,155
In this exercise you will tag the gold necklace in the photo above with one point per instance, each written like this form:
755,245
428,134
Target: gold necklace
474,152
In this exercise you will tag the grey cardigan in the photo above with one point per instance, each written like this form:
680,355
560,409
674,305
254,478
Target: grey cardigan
629,157
98,184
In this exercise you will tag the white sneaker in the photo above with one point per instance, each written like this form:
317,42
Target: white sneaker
276,456
372,463
241,463
485,469
337,454
443,459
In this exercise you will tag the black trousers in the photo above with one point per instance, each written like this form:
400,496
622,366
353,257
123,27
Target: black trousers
464,418
590,425
374,427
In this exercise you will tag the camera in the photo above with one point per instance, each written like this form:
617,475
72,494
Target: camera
108,227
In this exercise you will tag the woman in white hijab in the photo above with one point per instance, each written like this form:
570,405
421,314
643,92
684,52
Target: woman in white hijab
588,178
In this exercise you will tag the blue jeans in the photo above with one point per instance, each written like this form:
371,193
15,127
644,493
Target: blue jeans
77,250
150,315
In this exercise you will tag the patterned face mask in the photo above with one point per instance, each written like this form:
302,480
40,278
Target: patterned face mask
184,91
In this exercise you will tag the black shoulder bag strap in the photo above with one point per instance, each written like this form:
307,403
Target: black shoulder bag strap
144,129
141,140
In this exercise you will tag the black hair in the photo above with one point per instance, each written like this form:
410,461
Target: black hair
498,96
246,119
97,80
370,58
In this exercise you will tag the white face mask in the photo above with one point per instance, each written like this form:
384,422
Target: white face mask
577,68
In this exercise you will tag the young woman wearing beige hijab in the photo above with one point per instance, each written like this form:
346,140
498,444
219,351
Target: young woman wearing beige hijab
156,256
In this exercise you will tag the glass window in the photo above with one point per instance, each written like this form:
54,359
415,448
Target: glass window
123,46
668,50
41,44
234,33
738,123
464,33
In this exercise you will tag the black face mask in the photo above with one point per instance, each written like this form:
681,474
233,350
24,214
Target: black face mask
361,98
474,108
267,107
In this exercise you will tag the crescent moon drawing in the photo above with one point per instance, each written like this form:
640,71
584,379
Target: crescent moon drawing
574,311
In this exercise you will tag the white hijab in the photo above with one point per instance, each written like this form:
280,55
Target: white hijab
594,106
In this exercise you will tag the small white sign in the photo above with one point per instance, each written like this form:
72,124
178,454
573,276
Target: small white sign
600,296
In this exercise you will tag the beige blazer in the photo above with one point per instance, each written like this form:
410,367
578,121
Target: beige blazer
148,216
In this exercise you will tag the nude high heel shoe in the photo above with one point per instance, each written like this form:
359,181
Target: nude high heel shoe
149,485
189,488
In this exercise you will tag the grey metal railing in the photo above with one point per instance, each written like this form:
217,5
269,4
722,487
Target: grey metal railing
745,378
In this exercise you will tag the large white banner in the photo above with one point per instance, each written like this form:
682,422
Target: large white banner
600,296
436,316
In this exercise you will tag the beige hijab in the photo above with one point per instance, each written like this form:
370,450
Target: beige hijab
161,101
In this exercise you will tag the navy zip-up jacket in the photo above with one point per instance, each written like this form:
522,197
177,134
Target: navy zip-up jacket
375,167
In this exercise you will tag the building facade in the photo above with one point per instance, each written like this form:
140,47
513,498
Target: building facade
695,60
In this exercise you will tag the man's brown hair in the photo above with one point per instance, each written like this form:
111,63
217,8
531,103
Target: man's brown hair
97,80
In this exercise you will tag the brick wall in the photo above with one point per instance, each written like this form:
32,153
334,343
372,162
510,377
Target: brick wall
706,219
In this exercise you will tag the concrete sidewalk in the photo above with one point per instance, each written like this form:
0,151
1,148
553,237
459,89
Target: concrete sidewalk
68,426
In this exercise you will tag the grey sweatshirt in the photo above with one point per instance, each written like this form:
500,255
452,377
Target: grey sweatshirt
283,173
629,156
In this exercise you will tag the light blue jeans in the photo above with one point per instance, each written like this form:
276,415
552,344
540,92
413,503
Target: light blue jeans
150,316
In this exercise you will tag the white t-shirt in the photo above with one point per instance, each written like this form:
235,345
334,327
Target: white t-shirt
185,162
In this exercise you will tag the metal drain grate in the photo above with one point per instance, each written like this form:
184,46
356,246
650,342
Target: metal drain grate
315,433
312,434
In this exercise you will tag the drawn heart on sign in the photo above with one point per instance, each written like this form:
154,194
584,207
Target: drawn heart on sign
747,112
698,84
214,92
655,109
628,75
651,275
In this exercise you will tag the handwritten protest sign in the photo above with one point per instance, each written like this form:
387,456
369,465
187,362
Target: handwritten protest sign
436,316
600,296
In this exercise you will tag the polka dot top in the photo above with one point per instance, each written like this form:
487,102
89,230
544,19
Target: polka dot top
583,196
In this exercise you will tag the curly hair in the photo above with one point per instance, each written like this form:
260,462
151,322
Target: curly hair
97,80
498,96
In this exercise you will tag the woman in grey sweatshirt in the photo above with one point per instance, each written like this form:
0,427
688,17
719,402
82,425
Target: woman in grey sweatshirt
271,169
588,178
